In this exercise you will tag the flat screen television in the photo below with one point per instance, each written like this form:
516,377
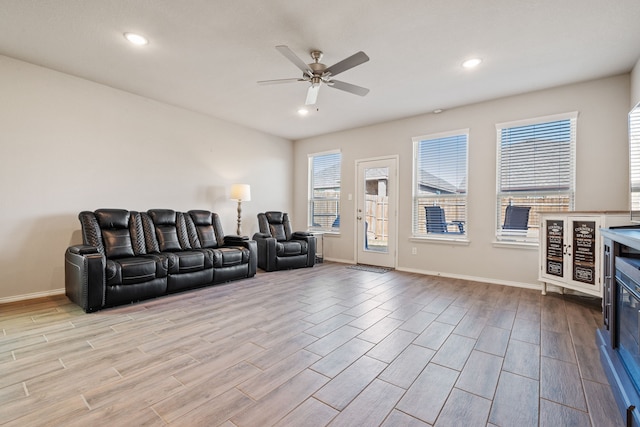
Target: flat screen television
634,163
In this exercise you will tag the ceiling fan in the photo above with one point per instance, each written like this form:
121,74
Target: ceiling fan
317,73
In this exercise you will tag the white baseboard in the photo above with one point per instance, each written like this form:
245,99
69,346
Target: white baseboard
474,278
34,295
341,261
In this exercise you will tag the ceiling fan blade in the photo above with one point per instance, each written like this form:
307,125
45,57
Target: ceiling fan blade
348,87
312,94
288,53
348,63
279,81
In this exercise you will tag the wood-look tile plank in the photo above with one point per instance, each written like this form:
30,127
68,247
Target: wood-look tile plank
407,366
493,340
311,413
17,371
471,326
362,308
452,315
434,335
369,318
454,352
602,406
278,403
225,406
344,387
59,413
335,339
526,330
418,322
339,359
204,391
480,374
428,394
515,388
329,325
274,376
590,364
523,358
275,354
397,419
553,414
390,347
371,407
464,408
560,382
557,345
502,318
150,388
380,330
405,311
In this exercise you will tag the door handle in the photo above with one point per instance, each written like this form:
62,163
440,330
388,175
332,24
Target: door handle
359,218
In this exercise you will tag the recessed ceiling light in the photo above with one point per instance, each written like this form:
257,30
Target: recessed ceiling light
136,39
438,111
471,63
303,111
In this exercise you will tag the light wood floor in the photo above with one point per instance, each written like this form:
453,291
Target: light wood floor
313,347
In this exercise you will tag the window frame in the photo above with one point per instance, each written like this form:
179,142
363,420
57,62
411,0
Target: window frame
311,200
532,234
417,209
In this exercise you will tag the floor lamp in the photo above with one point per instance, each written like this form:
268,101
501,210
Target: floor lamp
240,192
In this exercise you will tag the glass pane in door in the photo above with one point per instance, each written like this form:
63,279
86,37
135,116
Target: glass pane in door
376,204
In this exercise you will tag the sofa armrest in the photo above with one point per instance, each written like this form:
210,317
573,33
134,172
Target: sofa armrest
83,250
85,277
251,245
301,235
311,245
234,238
266,246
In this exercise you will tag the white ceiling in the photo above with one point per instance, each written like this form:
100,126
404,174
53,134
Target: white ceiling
206,55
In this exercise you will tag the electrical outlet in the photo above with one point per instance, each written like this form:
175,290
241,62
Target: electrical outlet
414,251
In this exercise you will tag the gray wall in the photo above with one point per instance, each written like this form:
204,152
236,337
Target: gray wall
69,145
602,175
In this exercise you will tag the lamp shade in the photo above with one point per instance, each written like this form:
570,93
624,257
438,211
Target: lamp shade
241,192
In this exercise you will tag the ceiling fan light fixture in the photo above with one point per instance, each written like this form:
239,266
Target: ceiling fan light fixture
136,39
471,63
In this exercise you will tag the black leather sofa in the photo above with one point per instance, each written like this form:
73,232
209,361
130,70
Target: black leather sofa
281,249
127,256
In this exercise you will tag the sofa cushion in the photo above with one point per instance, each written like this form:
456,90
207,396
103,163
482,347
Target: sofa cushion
127,271
205,223
189,261
117,243
230,256
114,228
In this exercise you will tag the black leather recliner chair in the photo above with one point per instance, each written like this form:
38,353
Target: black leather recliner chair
279,248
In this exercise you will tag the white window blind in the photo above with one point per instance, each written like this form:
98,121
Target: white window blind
324,191
536,170
440,181
634,161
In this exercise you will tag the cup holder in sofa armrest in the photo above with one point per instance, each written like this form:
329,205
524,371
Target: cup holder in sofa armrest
83,249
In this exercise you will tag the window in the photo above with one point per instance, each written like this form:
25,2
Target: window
536,173
440,185
324,191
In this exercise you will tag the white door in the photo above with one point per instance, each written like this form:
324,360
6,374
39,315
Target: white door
376,208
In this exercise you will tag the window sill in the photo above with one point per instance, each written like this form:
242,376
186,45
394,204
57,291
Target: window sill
462,241
515,245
